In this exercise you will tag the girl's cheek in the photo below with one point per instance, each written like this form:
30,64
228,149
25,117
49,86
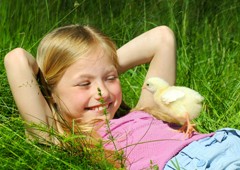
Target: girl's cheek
118,90
119,87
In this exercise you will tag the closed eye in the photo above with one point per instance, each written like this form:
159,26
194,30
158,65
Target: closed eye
84,84
112,78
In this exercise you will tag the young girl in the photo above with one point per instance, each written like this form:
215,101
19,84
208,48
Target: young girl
74,62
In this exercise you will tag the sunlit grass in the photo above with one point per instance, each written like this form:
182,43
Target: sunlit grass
208,45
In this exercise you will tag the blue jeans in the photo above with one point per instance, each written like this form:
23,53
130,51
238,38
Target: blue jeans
219,152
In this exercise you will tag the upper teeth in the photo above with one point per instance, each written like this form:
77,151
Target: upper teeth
100,108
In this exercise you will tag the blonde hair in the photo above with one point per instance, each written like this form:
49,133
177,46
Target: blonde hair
65,45
60,49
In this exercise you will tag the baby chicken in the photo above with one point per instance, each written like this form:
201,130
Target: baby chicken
180,104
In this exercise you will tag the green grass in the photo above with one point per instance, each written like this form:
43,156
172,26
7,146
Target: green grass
208,51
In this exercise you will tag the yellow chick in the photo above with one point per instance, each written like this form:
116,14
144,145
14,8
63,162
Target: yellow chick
180,104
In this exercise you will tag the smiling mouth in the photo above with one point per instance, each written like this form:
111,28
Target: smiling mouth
99,108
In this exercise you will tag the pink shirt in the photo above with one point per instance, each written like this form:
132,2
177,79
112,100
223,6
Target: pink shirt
145,139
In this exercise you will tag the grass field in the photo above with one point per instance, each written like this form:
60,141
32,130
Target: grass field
208,51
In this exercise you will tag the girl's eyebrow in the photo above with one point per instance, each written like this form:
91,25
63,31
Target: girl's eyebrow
80,76
107,70
111,68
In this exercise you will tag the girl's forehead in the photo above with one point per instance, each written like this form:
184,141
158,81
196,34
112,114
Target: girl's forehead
92,59
97,55
90,67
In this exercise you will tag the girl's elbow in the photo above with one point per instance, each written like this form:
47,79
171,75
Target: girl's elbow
14,57
165,34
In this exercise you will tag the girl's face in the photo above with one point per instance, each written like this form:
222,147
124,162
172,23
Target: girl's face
77,92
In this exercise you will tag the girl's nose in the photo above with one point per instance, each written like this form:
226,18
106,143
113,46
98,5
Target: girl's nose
102,92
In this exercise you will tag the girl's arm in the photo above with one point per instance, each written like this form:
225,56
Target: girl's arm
21,70
157,47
